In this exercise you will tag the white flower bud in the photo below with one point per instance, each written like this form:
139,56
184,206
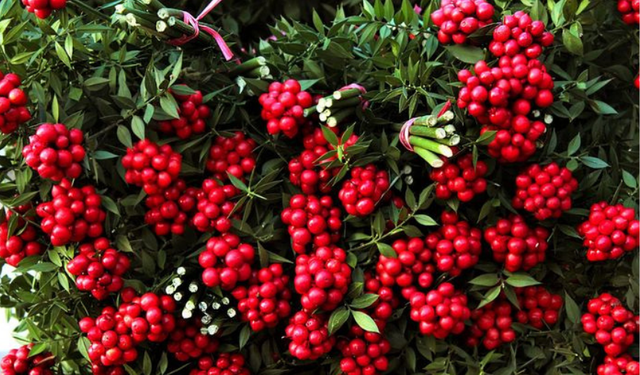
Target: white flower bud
407,169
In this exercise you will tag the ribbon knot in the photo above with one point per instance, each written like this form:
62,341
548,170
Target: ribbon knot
195,23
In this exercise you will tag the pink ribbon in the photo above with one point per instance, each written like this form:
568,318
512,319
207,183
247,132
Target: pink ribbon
405,131
365,103
195,23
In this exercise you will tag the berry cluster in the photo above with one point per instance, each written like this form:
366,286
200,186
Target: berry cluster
622,365
192,115
214,207
266,300
458,19
18,362
629,10
361,193
387,302
517,143
492,325
151,167
545,191
43,8
233,155
515,244
440,312
413,263
22,242
518,33
456,245
610,231
13,101
99,268
115,334
226,261
309,336
364,353
322,278
494,95
186,342
311,220
55,152
613,326
170,210
460,178
73,215
538,307
283,107
306,172
224,364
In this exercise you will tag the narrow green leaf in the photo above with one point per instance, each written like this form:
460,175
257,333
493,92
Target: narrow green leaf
365,321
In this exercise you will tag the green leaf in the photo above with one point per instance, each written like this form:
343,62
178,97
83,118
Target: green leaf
489,279
147,366
364,301
63,280
425,220
124,136
137,125
123,244
491,295
62,54
573,311
110,205
574,145
386,250
486,137
95,83
466,53
104,155
521,280
330,136
602,108
245,334
83,346
593,162
572,42
337,319
169,105
365,322
38,348
629,180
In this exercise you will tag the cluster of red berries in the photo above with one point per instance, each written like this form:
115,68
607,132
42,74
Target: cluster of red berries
22,242
226,261
151,167
266,300
55,152
622,365
538,307
309,336
440,312
610,231
171,210
364,353
458,19
613,326
545,191
460,178
186,342
224,364
115,334
192,115
304,170
413,263
361,193
516,245
283,107
311,220
73,215
18,362
456,246
43,8
387,302
233,155
517,143
99,268
214,207
629,10
518,33
322,278
494,95
13,101
492,325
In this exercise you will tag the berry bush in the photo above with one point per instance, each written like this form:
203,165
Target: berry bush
354,187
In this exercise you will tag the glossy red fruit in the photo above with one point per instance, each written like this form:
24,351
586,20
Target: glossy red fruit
610,231
364,190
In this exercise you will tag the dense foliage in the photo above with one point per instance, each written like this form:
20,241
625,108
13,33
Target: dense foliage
182,217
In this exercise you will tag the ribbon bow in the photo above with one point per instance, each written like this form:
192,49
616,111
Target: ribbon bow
195,23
